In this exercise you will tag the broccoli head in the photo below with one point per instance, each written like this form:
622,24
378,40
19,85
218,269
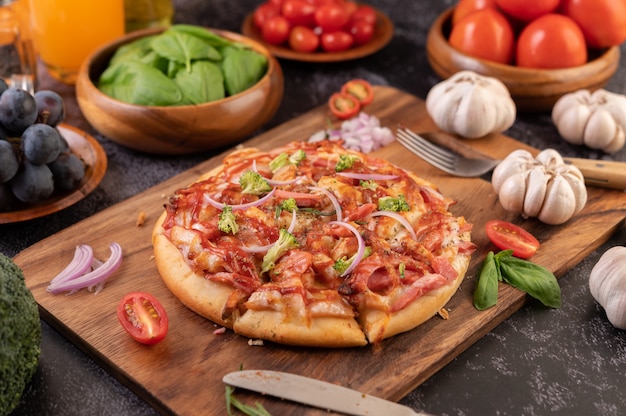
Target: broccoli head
253,183
341,264
20,335
297,157
227,223
286,241
346,162
279,161
390,203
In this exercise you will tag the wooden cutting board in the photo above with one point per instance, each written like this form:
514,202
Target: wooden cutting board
182,375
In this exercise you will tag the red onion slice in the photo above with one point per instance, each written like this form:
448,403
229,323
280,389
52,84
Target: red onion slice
398,218
367,176
333,200
83,256
360,251
94,277
239,207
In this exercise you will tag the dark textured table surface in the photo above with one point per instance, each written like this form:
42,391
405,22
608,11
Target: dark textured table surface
568,361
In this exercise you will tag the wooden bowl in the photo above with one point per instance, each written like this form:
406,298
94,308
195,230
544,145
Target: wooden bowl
533,90
182,129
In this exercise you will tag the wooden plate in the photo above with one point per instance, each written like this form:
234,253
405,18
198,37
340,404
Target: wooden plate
383,32
95,159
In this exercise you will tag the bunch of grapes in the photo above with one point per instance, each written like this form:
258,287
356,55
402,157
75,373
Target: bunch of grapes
35,159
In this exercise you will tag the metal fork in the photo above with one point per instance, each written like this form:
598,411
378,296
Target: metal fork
442,158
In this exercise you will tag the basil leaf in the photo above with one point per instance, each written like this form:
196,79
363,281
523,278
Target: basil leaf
486,292
183,48
533,279
133,51
242,69
140,84
204,83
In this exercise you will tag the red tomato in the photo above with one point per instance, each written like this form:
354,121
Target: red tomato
527,10
603,22
507,236
484,34
331,17
361,31
299,12
336,41
278,3
264,12
344,106
143,317
364,12
276,30
465,7
350,7
551,41
303,39
361,89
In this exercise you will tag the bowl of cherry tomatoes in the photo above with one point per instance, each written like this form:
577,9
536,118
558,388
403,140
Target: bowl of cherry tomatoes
328,31
540,49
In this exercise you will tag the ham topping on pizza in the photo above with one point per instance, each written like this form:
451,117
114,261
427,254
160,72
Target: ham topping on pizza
316,222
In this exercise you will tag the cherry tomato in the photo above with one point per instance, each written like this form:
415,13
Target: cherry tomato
143,317
551,41
527,10
303,39
331,17
278,3
299,12
465,7
276,30
361,89
336,41
350,7
507,236
344,106
264,12
366,13
361,31
485,34
603,22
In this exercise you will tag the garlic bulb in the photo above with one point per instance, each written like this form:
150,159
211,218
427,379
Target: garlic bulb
607,283
544,187
471,105
596,120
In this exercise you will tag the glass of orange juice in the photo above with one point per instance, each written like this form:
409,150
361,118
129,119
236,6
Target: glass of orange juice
65,32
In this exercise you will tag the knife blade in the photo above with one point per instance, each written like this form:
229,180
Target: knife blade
316,393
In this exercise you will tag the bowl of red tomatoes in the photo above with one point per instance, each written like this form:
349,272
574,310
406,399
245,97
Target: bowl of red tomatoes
540,49
329,31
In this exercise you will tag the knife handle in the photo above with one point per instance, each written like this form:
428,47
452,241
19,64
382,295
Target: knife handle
602,173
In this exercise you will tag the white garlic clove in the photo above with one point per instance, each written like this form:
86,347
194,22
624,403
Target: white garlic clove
513,191
536,191
607,284
559,204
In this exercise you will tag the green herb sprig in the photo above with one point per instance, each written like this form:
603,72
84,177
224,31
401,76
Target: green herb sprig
537,281
231,401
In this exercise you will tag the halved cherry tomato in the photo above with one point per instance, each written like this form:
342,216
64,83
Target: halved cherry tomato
143,317
361,89
336,41
507,236
344,106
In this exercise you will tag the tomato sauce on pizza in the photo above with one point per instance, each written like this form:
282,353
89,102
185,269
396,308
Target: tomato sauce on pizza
312,244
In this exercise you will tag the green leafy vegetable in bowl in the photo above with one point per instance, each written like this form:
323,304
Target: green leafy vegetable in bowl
183,65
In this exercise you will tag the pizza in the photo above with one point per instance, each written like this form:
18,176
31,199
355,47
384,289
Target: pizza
312,244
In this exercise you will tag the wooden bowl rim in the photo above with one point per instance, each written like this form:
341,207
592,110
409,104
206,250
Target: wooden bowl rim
87,76
436,35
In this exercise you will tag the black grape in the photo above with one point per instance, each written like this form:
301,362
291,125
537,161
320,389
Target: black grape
8,161
65,146
50,107
41,143
32,183
18,110
3,86
67,170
